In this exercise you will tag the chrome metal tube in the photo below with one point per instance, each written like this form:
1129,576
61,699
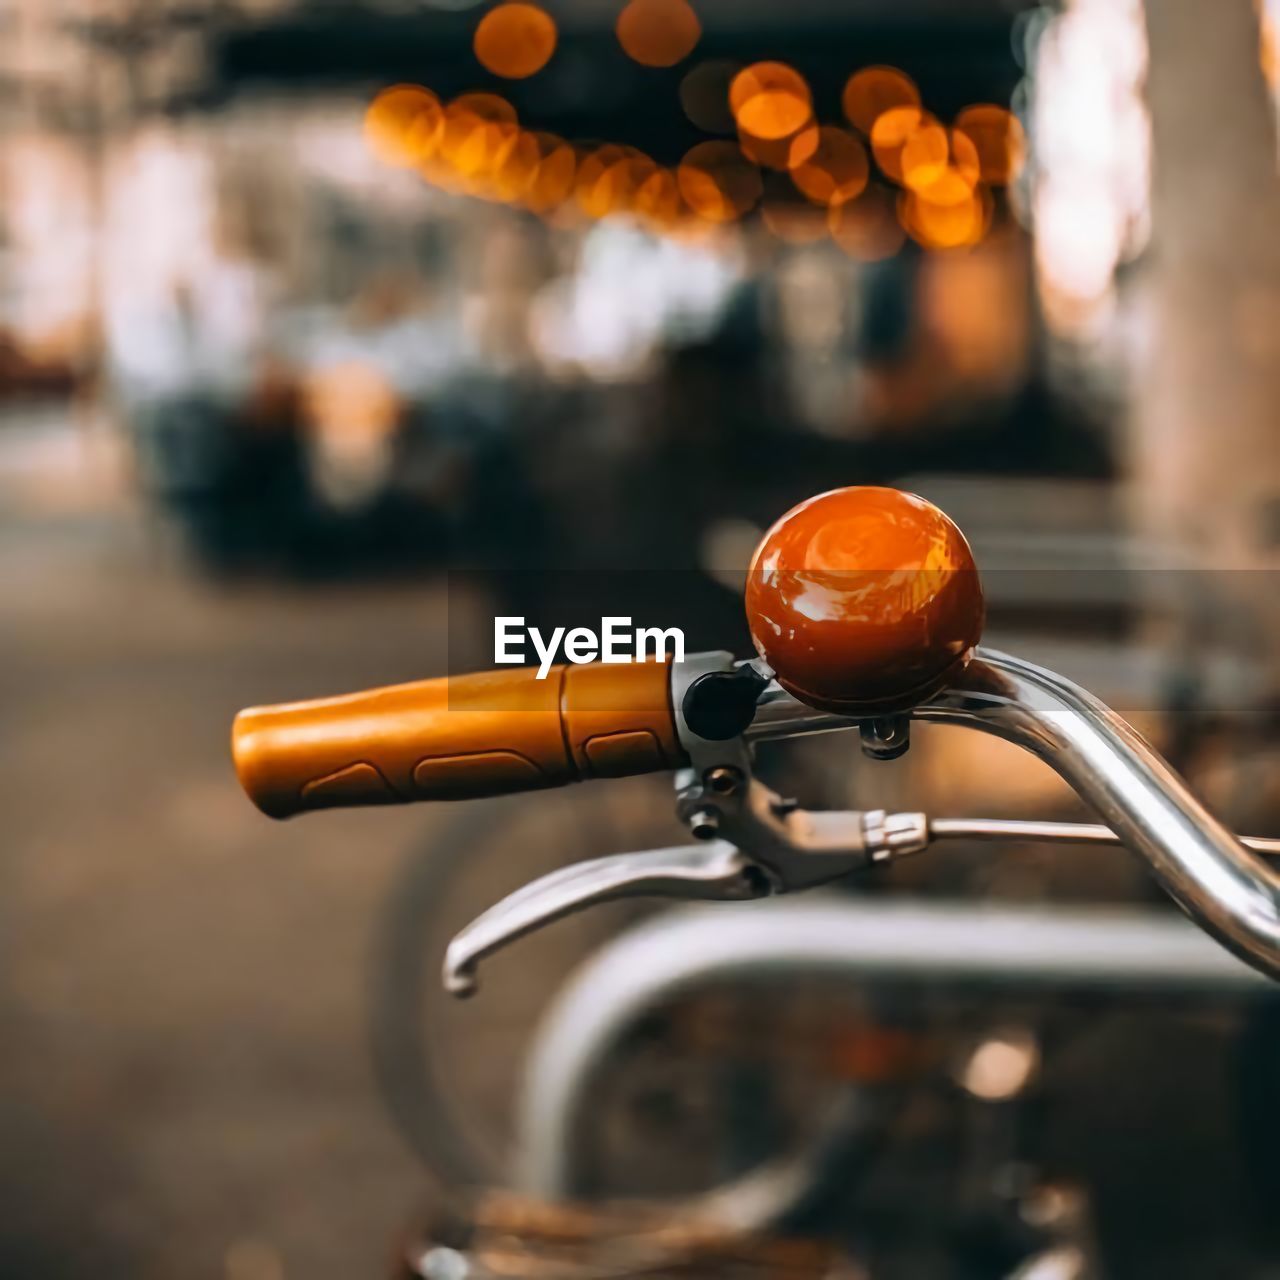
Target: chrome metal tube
1052,832
1216,880
1204,868
1013,948
779,715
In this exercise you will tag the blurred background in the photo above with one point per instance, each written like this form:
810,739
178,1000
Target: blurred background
328,327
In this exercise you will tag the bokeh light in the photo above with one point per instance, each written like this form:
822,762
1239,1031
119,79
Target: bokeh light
869,93
1001,1067
628,177
998,139
770,100
958,220
704,95
515,167
932,151
949,186
924,156
515,40
597,188
821,185
477,129
890,134
717,182
478,157
441,174
781,153
1089,205
402,125
350,402
1078,243
658,33
867,228
836,171
553,181
488,107
657,201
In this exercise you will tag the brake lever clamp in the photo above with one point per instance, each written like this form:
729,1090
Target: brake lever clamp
797,848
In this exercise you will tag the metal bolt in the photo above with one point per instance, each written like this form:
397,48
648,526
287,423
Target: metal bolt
886,738
723,780
704,824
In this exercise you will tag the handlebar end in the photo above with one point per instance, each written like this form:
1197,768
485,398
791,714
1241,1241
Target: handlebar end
253,767
279,775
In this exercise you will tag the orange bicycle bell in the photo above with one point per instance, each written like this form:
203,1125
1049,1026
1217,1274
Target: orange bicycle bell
864,601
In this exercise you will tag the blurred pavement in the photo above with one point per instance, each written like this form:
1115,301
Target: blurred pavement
185,1089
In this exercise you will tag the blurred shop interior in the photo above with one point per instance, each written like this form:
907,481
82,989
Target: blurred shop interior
327,328
354,286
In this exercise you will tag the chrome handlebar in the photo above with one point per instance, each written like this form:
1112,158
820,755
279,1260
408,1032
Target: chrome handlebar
755,843
1214,878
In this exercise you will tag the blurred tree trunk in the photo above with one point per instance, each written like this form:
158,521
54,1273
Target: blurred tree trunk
1206,439
1205,435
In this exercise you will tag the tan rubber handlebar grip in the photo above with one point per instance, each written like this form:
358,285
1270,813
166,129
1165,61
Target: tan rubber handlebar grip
458,738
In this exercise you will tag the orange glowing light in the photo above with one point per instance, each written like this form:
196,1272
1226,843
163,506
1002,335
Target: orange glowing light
770,100
484,150
932,153
657,201
717,182
350,403
998,138
440,173
964,157
477,127
627,178
658,33
402,125
866,228
488,107
515,40
869,93
704,95
553,181
784,153
950,187
837,171
953,225
591,190
515,166
890,134
924,156
608,178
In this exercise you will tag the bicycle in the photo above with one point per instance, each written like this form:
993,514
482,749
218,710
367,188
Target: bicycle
866,610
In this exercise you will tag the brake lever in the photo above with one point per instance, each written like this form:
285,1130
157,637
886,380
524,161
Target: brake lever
792,849
716,871
772,847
